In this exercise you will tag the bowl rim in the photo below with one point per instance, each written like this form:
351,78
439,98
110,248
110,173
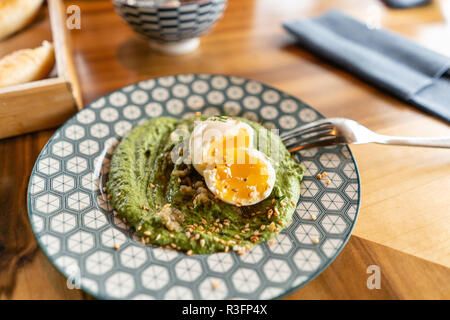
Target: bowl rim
163,4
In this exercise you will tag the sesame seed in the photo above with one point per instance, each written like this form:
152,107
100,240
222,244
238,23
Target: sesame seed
271,226
147,233
276,212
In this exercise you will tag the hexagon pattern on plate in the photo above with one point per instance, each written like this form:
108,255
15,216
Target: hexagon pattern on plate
76,228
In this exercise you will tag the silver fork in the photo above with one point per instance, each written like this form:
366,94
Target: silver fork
334,131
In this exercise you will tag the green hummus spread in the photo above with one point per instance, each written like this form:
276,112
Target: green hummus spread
169,205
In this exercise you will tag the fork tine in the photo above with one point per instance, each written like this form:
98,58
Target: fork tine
312,127
317,143
310,136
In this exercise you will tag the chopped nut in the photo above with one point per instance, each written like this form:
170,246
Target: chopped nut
236,236
189,252
315,240
215,285
271,242
116,247
313,217
241,252
186,189
263,227
139,228
197,236
152,185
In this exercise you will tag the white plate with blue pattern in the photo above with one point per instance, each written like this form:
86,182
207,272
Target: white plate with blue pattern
77,230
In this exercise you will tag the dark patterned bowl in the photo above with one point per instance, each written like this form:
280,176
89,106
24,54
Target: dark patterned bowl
172,26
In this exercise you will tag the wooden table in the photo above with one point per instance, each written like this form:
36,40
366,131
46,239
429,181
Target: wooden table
404,223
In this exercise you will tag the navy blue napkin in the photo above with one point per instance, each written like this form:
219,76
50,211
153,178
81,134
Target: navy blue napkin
403,4
391,62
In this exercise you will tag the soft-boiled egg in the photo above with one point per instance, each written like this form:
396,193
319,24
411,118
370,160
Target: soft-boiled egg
222,152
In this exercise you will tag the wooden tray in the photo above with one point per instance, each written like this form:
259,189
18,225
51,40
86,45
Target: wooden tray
46,103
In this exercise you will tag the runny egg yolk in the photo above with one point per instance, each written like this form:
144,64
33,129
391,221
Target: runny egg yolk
240,182
218,148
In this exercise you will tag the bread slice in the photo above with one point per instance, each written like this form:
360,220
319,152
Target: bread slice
27,65
16,14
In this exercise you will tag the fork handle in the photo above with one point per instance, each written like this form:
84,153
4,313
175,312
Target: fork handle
410,141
